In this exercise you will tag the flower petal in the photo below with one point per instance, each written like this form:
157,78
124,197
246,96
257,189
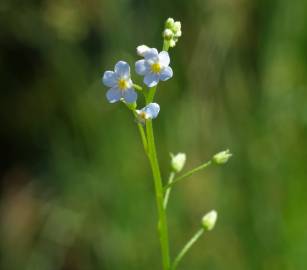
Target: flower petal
152,110
109,78
151,79
141,67
113,95
166,74
164,58
130,95
151,53
140,50
122,69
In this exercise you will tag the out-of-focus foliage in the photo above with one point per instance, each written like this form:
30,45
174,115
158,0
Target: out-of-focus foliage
76,187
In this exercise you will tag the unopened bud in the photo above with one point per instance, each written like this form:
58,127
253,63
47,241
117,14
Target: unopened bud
177,26
178,33
169,23
222,157
208,221
178,161
142,49
172,43
168,34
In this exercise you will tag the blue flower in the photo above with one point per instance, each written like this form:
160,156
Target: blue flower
150,111
120,83
154,67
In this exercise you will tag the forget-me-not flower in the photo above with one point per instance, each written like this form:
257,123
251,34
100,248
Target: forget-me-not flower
154,67
150,111
120,83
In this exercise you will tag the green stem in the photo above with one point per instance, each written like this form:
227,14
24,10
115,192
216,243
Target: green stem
162,224
151,94
142,133
165,45
187,247
137,87
168,191
203,166
143,136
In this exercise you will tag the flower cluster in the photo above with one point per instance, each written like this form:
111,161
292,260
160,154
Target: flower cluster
154,67
172,31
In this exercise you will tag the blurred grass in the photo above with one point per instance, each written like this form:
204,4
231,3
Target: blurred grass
76,187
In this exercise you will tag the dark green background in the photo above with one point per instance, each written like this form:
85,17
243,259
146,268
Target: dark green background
76,188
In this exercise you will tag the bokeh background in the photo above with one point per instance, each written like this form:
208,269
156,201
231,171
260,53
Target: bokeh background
76,188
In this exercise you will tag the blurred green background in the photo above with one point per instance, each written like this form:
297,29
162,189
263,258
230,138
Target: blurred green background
76,188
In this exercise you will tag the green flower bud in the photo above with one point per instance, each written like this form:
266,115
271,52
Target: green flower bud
222,157
178,161
208,221
172,43
177,26
172,31
169,23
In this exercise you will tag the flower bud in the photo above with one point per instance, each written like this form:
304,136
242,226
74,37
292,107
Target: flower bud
222,157
172,43
178,33
178,161
169,23
177,26
167,34
208,221
141,50
172,31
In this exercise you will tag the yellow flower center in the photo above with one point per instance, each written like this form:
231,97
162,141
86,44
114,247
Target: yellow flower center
155,68
122,84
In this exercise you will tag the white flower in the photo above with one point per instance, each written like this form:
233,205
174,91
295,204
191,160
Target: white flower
120,83
178,161
150,111
209,220
154,67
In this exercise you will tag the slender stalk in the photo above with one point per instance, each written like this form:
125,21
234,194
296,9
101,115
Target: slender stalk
142,133
153,159
143,136
165,45
150,96
162,224
203,166
168,191
137,87
187,247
